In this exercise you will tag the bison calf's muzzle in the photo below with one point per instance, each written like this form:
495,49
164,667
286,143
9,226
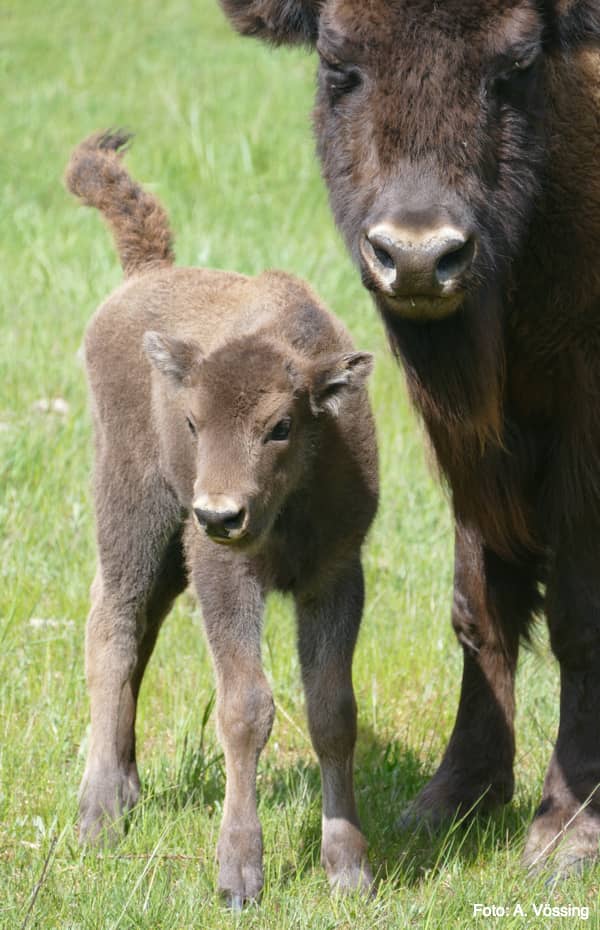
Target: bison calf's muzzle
233,410
224,519
421,269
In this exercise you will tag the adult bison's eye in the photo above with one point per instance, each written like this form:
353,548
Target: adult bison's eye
280,431
514,78
191,426
339,79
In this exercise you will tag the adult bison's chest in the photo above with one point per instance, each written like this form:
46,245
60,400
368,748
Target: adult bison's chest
534,386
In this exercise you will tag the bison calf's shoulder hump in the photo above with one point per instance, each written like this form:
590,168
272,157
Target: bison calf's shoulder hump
234,446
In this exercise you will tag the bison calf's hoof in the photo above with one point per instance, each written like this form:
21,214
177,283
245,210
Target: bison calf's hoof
103,800
344,857
239,854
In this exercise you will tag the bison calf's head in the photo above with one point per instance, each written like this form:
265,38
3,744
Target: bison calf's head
250,419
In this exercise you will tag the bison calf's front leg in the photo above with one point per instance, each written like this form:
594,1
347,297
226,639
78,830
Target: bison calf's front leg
245,713
327,631
245,710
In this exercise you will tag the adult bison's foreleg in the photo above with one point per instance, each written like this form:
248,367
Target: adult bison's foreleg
232,608
566,828
327,630
493,603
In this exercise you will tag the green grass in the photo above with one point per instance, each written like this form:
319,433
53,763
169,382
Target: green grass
223,136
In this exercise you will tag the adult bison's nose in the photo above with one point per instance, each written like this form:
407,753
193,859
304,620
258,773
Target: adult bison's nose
221,517
421,270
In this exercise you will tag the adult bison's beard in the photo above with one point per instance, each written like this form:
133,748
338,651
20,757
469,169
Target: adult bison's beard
455,373
455,368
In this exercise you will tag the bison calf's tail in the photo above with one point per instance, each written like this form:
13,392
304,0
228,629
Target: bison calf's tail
138,222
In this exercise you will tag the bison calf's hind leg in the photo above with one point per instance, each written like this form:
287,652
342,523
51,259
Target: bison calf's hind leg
232,607
327,631
140,573
110,785
493,604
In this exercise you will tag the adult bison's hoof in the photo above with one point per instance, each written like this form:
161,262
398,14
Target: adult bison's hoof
415,818
562,840
344,857
239,853
443,801
103,799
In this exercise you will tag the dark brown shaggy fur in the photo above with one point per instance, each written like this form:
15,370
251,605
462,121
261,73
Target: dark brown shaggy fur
488,111
234,445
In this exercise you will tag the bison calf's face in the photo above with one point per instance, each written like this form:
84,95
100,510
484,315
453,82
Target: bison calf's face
250,420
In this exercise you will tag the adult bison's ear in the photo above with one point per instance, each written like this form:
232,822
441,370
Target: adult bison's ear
179,361
336,376
576,23
278,21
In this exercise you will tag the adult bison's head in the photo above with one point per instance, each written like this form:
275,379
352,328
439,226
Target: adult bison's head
430,129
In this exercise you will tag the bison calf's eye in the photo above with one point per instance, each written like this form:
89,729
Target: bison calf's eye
190,423
280,431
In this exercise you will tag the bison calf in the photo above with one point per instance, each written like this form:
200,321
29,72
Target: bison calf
234,446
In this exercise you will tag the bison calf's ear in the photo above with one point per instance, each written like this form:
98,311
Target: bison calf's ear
336,376
278,21
176,359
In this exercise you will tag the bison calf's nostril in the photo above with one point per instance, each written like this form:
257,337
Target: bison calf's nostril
235,521
222,523
201,516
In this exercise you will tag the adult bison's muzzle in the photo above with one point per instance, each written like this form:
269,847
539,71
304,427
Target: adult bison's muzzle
418,268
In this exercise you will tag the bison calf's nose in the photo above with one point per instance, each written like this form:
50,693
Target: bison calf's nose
224,523
423,270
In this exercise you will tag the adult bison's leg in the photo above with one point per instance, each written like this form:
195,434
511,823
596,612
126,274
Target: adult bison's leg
567,824
140,571
327,630
493,603
232,608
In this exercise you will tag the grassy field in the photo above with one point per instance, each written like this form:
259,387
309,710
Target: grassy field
223,137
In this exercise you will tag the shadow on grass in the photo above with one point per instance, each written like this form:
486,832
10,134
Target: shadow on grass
387,777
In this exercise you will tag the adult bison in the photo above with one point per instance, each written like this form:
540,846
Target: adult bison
460,145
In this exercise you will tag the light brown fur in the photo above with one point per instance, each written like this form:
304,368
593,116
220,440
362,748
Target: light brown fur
195,376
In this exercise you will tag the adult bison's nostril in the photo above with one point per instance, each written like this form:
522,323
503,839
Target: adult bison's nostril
455,262
385,259
378,260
